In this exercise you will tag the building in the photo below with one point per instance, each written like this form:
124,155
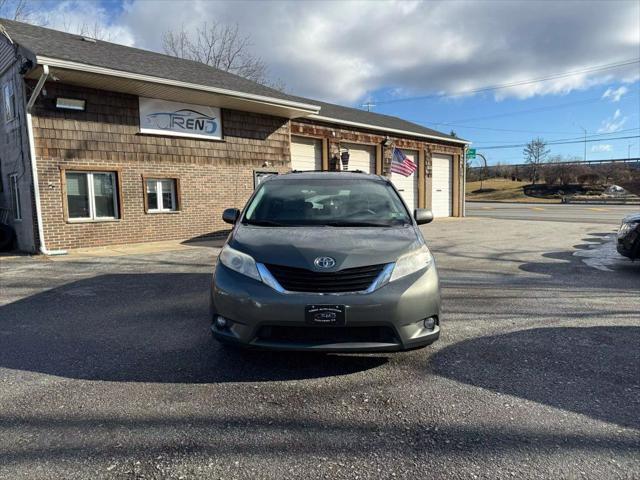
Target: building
105,144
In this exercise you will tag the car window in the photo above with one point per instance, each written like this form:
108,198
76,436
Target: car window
331,201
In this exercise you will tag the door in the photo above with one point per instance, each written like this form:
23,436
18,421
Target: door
442,185
306,153
408,186
361,157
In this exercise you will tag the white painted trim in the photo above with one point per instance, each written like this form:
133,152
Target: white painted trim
172,133
385,129
58,63
34,166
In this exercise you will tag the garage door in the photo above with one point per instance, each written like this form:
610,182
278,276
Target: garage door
408,186
442,187
306,153
361,157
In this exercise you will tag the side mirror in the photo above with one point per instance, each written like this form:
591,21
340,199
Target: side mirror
422,216
230,215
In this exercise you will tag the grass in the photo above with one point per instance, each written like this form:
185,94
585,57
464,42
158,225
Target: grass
502,190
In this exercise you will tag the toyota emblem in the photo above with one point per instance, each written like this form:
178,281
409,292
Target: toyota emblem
324,262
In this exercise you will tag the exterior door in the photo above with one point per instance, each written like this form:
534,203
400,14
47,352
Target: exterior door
306,153
408,186
442,185
361,157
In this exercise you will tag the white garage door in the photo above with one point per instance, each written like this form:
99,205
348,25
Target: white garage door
442,188
408,186
361,157
306,153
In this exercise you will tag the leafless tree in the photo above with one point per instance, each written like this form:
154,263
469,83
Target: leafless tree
535,153
220,46
87,29
19,10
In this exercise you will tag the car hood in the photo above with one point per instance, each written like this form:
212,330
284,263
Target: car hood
634,217
349,247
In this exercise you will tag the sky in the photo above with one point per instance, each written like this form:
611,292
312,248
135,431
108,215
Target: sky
565,67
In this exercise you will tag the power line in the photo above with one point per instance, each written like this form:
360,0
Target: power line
452,123
596,136
591,69
495,147
506,129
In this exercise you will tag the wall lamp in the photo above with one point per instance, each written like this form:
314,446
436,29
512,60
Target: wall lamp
386,142
70,104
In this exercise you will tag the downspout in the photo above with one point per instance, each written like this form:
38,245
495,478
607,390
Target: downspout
34,166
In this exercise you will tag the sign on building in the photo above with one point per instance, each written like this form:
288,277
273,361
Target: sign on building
162,117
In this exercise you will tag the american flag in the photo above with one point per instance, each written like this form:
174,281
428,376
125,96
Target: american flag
401,164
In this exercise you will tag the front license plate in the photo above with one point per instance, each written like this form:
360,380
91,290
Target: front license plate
325,314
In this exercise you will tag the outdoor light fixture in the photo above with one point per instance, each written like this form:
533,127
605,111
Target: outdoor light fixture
70,104
387,141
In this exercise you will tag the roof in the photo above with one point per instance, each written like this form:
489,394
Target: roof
330,111
49,43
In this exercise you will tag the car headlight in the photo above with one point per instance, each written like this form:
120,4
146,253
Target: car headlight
239,262
626,228
412,262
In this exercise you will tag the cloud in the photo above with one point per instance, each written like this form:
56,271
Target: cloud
345,51
615,94
613,123
87,18
601,148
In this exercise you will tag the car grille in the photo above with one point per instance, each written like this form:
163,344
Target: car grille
303,280
327,335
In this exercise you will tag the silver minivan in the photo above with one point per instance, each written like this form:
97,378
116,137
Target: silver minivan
327,261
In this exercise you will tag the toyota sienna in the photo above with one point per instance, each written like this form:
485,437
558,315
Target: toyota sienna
328,261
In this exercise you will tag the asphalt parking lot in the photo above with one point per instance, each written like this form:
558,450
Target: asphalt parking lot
107,371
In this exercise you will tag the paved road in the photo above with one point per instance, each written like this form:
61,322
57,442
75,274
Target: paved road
603,214
107,371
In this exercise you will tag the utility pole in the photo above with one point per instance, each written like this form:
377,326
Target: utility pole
585,142
368,105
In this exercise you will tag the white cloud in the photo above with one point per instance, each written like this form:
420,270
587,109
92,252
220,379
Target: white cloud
615,94
343,51
613,123
84,18
601,148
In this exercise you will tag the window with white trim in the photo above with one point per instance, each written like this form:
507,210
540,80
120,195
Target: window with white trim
14,188
8,101
91,195
161,195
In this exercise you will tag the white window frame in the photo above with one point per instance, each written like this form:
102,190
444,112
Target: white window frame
16,204
161,208
92,198
9,101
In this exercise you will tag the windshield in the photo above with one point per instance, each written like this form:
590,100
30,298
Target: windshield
327,201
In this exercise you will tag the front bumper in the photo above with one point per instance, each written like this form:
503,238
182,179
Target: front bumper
388,319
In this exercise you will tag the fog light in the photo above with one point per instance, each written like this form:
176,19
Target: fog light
430,323
222,322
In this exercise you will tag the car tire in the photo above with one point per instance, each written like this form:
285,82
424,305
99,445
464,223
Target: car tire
7,237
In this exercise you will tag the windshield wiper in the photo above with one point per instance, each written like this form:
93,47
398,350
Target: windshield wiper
264,223
355,224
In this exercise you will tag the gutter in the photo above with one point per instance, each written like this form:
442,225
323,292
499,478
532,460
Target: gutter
387,129
83,67
34,166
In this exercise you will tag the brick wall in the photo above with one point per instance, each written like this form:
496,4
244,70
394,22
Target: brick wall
213,175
